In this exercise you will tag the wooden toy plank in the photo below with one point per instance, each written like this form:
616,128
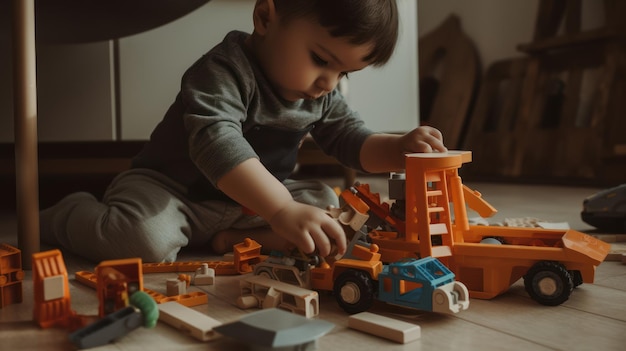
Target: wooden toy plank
385,327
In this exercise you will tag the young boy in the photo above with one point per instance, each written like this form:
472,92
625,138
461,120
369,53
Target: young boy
215,169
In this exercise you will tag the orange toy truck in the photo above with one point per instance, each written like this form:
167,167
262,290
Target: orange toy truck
429,218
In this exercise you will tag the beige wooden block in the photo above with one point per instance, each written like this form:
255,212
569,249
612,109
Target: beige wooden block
204,275
188,320
174,287
272,298
53,287
248,301
385,327
282,295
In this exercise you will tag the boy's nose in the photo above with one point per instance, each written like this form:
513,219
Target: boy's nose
327,82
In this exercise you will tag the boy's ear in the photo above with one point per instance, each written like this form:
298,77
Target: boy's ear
264,13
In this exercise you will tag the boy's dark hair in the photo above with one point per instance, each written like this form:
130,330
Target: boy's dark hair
361,21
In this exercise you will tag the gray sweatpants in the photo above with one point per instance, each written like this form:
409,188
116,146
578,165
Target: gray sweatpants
146,214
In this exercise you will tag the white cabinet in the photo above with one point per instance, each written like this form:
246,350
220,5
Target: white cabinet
74,92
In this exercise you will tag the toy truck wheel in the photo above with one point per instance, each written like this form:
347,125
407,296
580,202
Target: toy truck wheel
577,278
354,291
548,283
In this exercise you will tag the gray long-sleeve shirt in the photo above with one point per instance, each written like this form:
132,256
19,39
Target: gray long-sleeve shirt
226,112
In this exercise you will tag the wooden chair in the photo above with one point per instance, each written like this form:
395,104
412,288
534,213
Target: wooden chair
449,71
562,116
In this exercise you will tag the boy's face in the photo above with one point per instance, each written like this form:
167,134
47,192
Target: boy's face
302,61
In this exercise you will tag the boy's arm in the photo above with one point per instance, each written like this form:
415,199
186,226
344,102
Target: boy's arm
308,227
385,152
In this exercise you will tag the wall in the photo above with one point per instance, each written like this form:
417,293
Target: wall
387,97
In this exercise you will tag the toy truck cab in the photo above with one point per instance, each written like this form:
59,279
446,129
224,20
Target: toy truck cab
424,284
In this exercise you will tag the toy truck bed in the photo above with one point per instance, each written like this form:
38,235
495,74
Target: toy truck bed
569,254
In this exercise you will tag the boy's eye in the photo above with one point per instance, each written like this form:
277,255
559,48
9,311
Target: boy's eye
318,60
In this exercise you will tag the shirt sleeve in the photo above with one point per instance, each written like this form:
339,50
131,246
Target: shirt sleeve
341,132
215,97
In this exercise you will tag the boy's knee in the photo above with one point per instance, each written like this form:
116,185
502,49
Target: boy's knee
315,193
329,197
158,255
152,251
154,244
326,196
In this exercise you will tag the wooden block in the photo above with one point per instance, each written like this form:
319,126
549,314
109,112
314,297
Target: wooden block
385,327
272,299
204,275
175,287
281,295
188,320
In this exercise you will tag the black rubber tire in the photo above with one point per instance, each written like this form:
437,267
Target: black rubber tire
548,283
359,286
577,278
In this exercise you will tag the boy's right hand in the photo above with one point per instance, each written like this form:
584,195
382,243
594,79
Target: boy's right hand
309,227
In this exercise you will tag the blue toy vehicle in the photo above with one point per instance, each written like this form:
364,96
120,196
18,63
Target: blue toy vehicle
424,284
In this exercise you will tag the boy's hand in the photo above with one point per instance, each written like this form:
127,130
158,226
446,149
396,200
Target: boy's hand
423,139
386,152
309,227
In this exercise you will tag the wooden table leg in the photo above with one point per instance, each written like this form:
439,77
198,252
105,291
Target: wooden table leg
25,117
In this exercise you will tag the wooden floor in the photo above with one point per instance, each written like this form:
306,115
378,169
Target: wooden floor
594,318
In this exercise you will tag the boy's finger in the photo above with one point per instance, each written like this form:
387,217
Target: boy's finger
322,242
305,243
336,233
